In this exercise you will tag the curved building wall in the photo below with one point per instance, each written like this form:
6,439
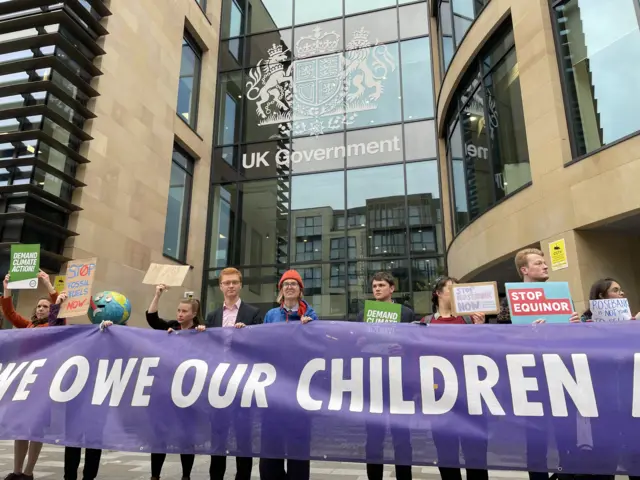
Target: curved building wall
581,143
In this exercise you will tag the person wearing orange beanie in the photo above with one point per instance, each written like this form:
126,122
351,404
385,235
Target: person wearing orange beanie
292,307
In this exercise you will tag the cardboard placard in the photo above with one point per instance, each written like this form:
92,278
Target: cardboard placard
169,275
481,297
24,267
79,282
382,312
529,302
610,310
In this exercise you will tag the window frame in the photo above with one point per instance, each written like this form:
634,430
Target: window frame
183,243
188,39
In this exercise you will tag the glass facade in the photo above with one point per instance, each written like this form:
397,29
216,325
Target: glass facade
599,51
176,230
454,19
325,158
188,87
486,140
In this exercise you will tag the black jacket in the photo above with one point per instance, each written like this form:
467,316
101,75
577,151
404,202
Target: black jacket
247,314
157,323
406,315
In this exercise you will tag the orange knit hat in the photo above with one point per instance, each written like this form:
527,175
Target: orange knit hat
291,275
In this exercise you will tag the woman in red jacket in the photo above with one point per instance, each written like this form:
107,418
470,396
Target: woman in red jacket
39,318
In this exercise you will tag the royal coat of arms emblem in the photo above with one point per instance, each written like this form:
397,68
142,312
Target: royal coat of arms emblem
321,90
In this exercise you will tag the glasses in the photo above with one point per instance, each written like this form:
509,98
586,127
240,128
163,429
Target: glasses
228,283
289,284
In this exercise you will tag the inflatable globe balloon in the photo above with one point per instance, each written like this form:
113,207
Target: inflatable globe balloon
112,306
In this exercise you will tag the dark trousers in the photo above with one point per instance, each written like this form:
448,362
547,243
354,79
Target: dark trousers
273,469
375,471
72,463
218,467
454,474
401,438
157,461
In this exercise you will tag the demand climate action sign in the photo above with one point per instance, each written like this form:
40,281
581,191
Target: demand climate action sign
550,301
381,312
25,265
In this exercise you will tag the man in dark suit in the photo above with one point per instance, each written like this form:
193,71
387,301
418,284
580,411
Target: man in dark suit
234,313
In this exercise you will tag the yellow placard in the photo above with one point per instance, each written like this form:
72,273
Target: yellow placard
558,255
59,283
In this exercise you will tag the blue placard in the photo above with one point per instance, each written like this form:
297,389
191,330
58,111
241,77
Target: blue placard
529,302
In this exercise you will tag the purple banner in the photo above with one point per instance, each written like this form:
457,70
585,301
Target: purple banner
535,398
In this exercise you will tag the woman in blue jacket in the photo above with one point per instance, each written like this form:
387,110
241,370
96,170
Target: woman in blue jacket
292,306
287,432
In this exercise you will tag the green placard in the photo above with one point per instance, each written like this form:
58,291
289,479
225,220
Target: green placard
25,265
382,312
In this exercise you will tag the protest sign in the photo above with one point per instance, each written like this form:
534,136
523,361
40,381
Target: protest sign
468,298
550,301
79,281
317,396
382,312
610,310
59,283
558,254
169,275
24,268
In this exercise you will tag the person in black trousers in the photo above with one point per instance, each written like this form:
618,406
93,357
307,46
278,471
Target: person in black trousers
234,313
188,317
383,285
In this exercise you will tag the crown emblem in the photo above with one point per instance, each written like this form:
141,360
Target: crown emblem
317,44
274,50
359,39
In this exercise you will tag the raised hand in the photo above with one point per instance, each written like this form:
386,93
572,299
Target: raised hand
61,298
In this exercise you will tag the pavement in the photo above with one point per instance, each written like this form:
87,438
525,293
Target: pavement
135,466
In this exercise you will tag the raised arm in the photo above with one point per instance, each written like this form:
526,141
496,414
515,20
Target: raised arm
54,311
153,319
8,311
53,295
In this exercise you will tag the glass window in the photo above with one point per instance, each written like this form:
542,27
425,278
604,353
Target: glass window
377,27
313,215
344,246
267,111
262,47
462,17
425,207
189,82
263,207
318,153
378,194
324,294
380,103
420,140
417,83
264,160
232,24
424,272
374,146
476,155
232,54
599,44
316,40
447,51
360,283
507,129
229,109
307,12
414,21
459,182
178,206
357,6
268,15
223,213
446,27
